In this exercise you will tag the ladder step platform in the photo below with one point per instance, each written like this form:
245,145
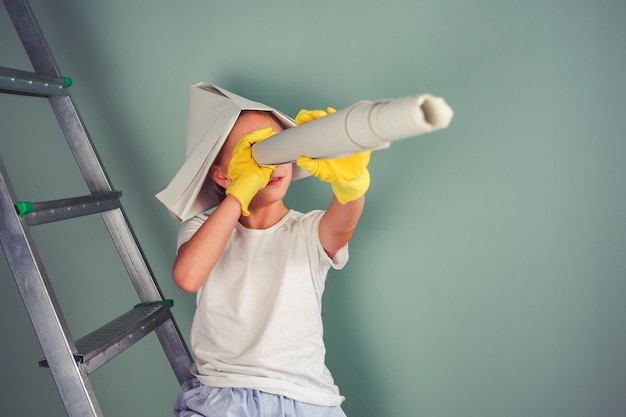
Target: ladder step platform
67,208
28,83
105,343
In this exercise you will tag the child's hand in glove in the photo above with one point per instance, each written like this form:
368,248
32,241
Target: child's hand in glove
349,177
304,115
246,175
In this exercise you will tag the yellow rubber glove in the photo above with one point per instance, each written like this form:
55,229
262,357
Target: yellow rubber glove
348,177
246,175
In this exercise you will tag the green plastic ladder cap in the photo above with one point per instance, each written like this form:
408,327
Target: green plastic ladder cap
68,82
168,302
23,208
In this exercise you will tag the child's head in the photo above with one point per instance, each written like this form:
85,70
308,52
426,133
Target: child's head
213,112
247,122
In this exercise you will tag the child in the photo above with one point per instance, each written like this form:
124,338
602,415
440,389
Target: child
259,271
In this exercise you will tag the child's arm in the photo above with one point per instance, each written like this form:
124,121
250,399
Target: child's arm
197,257
350,180
338,224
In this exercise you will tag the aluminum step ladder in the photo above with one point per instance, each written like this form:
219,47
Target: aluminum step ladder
71,361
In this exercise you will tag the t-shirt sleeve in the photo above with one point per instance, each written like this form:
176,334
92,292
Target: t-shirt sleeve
312,221
341,257
189,228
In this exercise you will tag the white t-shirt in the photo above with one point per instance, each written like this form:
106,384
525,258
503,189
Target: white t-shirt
258,321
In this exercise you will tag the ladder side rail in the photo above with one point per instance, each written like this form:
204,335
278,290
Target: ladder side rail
49,324
176,350
132,255
29,33
80,144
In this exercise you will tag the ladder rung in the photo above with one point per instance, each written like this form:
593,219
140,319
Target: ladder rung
102,345
18,82
67,208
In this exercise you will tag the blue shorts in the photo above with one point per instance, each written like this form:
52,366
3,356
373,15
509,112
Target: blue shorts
198,400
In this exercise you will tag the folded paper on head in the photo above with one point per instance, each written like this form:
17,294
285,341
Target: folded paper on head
363,126
212,115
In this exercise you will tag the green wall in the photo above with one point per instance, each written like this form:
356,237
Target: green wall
487,277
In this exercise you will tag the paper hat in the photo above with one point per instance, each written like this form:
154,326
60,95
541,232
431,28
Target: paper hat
213,112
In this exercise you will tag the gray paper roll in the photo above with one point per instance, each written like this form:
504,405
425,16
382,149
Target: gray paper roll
363,126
